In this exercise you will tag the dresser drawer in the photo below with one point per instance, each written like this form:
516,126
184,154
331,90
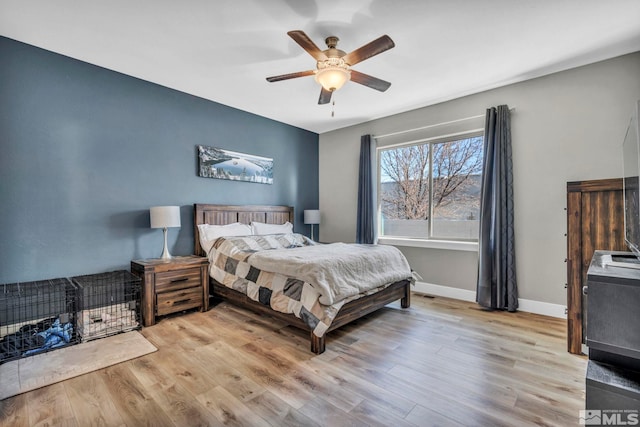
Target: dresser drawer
177,279
184,299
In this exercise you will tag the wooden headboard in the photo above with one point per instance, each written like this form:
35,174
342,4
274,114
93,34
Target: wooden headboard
228,214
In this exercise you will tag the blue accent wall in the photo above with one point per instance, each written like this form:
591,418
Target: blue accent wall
86,151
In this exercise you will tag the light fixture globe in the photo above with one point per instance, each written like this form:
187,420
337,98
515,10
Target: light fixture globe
332,73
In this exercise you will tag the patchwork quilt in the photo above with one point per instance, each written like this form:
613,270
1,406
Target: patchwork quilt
231,265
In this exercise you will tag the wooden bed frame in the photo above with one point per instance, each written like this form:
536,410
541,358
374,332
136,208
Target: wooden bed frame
227,214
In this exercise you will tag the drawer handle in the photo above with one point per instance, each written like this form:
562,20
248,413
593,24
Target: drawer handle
181,301
182,279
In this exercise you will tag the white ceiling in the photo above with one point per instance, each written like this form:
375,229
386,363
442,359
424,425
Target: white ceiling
222,50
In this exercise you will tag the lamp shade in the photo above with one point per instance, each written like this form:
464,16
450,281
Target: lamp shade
312,216
165,216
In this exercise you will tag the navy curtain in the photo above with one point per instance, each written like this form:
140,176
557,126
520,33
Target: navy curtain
366,227
497,287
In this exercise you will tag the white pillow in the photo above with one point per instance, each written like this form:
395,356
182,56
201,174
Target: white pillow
260,228
210,233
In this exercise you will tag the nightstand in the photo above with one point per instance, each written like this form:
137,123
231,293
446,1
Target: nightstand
172,285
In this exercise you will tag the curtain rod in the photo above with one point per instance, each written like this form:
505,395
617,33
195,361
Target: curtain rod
439,137
431,126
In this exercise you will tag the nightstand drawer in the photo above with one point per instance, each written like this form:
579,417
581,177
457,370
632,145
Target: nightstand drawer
170,302
178,279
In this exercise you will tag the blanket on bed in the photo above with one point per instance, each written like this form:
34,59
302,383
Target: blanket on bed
231,265
337,270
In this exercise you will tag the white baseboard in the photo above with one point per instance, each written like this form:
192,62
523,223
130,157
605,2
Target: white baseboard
530,306
444,291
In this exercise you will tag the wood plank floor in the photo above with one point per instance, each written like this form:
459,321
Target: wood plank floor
441,362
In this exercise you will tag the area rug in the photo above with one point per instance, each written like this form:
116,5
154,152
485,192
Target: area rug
40,370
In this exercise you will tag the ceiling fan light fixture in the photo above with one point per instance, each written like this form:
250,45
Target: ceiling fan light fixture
333,66
332,74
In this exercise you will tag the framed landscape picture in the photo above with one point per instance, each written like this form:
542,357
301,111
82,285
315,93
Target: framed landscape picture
225,164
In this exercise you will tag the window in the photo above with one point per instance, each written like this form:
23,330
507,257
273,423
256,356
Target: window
431,189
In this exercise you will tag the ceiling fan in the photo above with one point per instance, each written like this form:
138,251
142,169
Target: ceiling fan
333,67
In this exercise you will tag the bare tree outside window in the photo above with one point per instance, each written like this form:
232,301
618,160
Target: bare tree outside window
407,170
453,188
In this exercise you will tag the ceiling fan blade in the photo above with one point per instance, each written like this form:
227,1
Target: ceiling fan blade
307,44
373,48
325,96
369,81
290,76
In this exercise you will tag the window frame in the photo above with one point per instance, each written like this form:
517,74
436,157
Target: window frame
429,242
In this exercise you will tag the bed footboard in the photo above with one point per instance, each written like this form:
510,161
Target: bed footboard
348,313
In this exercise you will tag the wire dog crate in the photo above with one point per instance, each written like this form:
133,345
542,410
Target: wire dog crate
108,304
36,317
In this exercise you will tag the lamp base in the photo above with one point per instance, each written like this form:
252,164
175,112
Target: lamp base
165,251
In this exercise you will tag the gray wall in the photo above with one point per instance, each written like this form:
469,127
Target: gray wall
567,126
86,151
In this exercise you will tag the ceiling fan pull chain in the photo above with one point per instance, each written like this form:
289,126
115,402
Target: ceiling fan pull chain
333,107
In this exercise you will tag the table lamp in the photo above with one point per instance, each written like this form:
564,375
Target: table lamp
312,217
165,217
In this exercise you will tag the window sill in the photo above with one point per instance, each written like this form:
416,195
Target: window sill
433,244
